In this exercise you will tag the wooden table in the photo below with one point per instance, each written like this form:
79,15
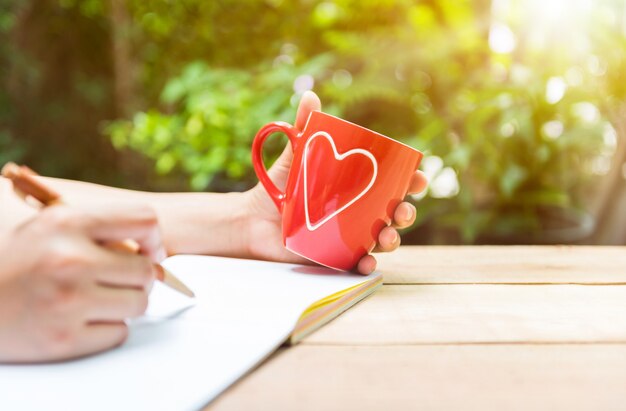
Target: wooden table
463,328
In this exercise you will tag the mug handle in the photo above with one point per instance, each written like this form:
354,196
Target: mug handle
277,196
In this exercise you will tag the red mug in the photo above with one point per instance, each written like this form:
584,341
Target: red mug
343,187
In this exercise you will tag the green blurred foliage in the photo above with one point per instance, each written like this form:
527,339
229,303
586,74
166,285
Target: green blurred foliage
499,150
9,148
216,112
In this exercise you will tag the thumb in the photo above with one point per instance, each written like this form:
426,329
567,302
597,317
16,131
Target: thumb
310,102
280,169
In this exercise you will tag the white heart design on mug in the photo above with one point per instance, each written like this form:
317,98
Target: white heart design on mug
339,157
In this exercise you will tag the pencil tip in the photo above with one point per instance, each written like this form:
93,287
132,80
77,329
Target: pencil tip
171,281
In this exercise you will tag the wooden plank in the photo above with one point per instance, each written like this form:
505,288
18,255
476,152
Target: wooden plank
414,314
504,264
517,377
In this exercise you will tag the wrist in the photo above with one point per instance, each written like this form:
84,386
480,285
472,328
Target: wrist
235,225
203,223
244,223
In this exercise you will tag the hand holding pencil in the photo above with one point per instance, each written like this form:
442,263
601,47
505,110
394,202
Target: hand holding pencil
62,294
65,287
34,191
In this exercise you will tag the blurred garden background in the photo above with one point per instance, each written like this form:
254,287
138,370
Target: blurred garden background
518,104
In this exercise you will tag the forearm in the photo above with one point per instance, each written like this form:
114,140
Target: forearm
203,223
199,223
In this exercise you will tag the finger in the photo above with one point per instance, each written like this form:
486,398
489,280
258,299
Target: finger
404,215
109,304
388,240
366,265
309,102
115,223
280,169
101,336
114,268
94,338
419,182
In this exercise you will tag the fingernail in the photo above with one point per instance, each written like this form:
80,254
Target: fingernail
395,237
373,269
409,214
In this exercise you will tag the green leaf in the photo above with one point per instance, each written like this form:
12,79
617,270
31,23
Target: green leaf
165,163
512,178
173,91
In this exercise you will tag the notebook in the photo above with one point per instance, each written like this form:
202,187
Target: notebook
183,353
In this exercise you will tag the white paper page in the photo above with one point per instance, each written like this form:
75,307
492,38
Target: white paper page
181,356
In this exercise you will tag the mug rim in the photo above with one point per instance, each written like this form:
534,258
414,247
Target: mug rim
361,127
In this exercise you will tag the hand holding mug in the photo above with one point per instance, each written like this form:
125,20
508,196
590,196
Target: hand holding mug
265,231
